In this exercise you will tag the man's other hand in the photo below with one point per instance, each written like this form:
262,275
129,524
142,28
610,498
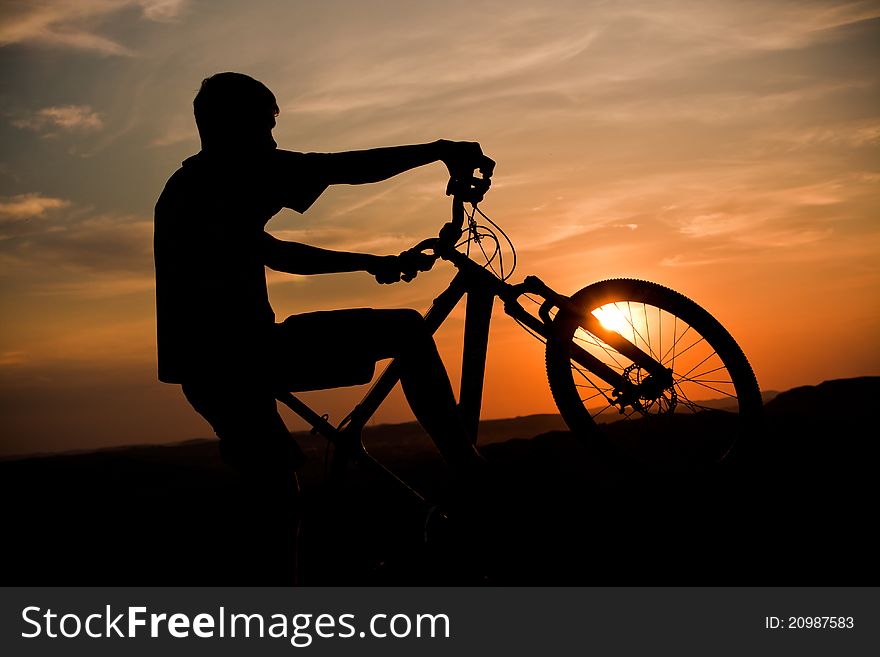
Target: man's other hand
405,267
412,262
386,269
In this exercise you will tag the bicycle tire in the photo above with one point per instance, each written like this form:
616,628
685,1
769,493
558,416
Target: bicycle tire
693,423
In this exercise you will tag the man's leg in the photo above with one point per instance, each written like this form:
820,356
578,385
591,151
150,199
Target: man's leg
403,334
256,443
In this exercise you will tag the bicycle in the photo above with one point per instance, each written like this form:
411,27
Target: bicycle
631,347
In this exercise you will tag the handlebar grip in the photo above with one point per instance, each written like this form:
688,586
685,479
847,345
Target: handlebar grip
450,233
413,260
463,182
424,245
470,189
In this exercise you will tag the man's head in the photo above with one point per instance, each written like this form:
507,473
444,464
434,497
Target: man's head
235,112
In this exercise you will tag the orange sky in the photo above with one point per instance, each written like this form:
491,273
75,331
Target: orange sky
727,150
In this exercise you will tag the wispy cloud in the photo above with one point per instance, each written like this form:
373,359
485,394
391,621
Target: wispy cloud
97,286
12,358
751,212
27,206
70,118
852,134
161,10
75,23
681,260
70,240
103,243
751,25
397,82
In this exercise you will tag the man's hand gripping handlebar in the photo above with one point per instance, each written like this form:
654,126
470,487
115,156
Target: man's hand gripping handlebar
464,187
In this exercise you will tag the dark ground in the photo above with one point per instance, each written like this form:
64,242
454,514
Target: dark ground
798,507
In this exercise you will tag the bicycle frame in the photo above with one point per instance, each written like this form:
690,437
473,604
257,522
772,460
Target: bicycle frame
481,288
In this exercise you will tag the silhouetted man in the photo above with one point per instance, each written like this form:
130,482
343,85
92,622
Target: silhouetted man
217,334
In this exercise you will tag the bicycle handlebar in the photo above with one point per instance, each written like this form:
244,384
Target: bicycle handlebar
463,189
469,188
466,189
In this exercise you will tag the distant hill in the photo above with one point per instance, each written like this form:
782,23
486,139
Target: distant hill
792,509
837,398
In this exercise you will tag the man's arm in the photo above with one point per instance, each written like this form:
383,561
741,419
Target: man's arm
377,164
374,165
297,258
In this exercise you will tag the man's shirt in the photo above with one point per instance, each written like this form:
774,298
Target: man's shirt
212,305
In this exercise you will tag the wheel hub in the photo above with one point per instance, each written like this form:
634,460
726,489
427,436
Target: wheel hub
646,393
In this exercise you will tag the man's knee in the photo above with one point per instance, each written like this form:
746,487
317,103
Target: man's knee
408,319
402,330
412,329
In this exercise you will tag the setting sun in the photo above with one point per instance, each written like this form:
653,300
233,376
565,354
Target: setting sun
614,319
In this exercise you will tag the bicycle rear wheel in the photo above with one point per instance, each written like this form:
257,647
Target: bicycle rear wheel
713,400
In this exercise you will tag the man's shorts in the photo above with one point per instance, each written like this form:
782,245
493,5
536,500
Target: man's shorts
329,349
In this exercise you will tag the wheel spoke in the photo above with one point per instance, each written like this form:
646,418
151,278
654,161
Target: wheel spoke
687,402
684,351
586,399
599,389
629,415
609,406
700,363
598,343
637,333
629,315
675,342
692,404
660,331
674,338
712,371
720,392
